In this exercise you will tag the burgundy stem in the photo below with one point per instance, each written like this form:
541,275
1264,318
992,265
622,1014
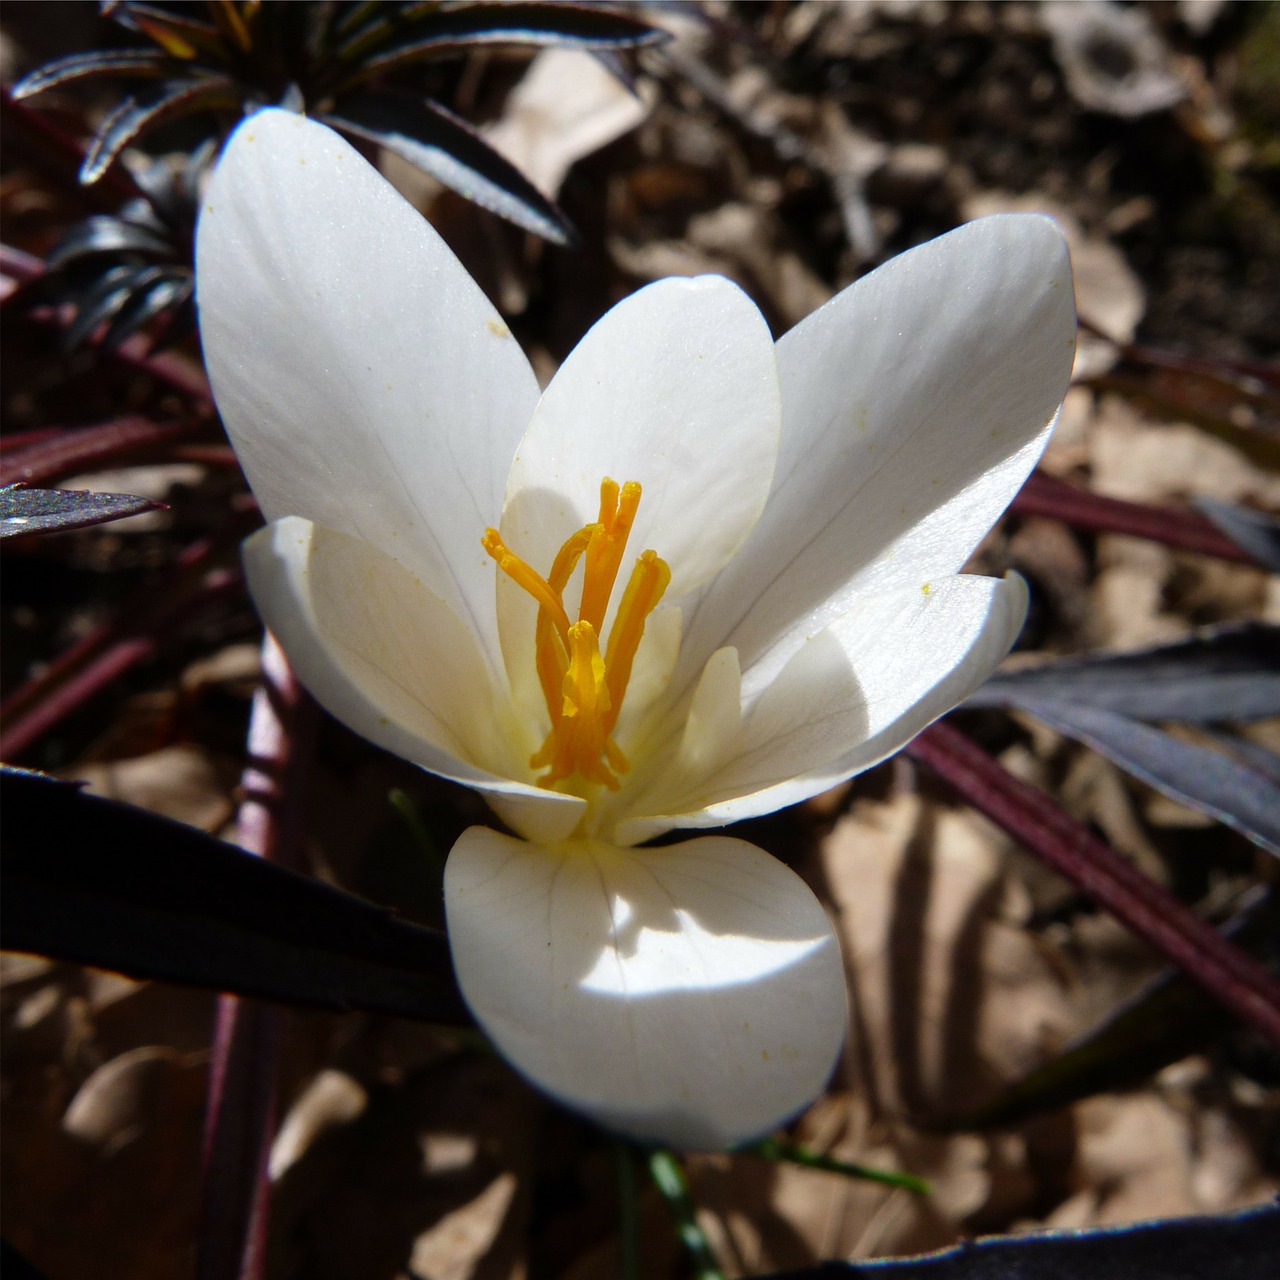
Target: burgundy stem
1143,906
1045,495
177,372
70,451
139,630
114,656
243,1070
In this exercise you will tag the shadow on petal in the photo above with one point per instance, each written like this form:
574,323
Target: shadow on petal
691,994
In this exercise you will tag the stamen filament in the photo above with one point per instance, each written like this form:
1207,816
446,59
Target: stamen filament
583,690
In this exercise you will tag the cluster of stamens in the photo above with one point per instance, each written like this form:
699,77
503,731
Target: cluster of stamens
584,688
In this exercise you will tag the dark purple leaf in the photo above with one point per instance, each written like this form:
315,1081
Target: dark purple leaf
456,31
1229,673
179,34
1254,531
84,66
1200,777
102,234
134,116
1230,1246
104,299
438,142
24,512
16,1266
167,290
102,883
1259,758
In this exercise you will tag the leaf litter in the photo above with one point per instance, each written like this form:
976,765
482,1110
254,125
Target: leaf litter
789,147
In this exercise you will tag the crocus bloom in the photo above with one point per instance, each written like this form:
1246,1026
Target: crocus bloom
699,577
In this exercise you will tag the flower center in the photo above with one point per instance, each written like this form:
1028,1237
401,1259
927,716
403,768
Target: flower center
583,688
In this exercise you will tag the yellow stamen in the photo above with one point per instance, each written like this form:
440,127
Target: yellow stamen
532,581
649,580
606,547
584,690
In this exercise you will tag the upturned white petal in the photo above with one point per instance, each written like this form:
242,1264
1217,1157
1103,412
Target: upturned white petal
691,994
394,663
677,388
365,380
915,403
854,694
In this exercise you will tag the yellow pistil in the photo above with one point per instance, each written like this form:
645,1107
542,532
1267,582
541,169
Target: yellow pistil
584,689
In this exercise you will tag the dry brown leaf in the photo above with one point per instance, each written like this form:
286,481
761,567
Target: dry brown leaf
566,106
122,1166
951,999
1112,57
1150,1154
1135,458
181,782
431,1176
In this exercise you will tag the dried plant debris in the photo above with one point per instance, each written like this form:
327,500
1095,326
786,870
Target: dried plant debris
1009,1043
1112,57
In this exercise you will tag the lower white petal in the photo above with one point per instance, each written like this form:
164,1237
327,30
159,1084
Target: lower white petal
691,994
854,694
395,663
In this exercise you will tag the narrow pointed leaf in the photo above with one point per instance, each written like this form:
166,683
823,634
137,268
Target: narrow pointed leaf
102,883
166,291
104,299
438,142
1200,777
103,234
134,116
96,64
459,30
1228,673
1254,531
1259,758
1230,1246
24,512
180,35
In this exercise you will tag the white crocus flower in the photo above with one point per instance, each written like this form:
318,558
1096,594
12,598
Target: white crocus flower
764,603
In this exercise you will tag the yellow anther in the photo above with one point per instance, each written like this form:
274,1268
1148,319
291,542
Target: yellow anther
648,582
584,690
532,581
605,549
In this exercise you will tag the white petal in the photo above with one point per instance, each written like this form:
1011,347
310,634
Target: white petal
691,995
675,388
914,405
395,663
365,380
853,695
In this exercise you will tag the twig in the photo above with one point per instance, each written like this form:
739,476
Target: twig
138,632
1143,906
1045,495
245,1052
69,451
